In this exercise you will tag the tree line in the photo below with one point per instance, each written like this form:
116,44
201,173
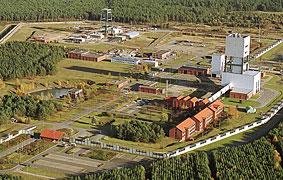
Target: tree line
212,12
26,106
139,131
26,59
136,173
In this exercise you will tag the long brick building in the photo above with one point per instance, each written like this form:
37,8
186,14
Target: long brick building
198,123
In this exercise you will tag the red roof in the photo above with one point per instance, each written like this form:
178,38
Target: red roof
186,98
205,101
51,134
216,105
185,124
203,114
180,97
194,100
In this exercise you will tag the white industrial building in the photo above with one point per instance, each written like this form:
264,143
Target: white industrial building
116,31
245,83
132,34
125,60
217,64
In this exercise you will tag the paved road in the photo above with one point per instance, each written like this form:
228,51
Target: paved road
15,148
266,96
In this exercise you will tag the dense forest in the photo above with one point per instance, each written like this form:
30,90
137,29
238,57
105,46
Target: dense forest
26,106
155,11
260,159
139,131
194,166
135,173
25,59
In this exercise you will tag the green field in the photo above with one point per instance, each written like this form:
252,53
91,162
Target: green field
243,103
104,155
276,54
43,172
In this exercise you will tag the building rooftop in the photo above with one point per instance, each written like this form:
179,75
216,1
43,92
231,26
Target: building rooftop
194,67
194,100
203,114
251,73
185,124
51,134
78,51
187,98
132,33
216,105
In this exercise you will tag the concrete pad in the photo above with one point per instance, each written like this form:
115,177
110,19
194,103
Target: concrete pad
60,166
74,160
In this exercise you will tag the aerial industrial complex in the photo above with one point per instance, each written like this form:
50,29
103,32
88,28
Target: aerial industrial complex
126,94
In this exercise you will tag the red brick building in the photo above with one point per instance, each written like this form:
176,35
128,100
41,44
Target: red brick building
243,95
184,102
194,70
203,118
199,122
150,89
217,108
86,56
184,130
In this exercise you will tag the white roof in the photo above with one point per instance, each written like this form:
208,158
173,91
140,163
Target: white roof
241,90
251,73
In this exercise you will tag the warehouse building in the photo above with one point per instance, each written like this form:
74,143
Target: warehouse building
194,70
87,56
125,60
132,34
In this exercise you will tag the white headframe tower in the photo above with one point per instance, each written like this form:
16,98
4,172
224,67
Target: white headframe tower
245,83
237,53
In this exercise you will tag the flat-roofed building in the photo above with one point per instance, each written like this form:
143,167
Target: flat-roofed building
162,54
194,70
118,83
151,89
125,60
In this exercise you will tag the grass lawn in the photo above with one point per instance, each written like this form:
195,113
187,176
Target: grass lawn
273,54
159,147
104,155
12,160
224,142
43,172
236,102
2,26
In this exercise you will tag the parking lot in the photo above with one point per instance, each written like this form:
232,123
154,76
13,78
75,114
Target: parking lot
60,160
